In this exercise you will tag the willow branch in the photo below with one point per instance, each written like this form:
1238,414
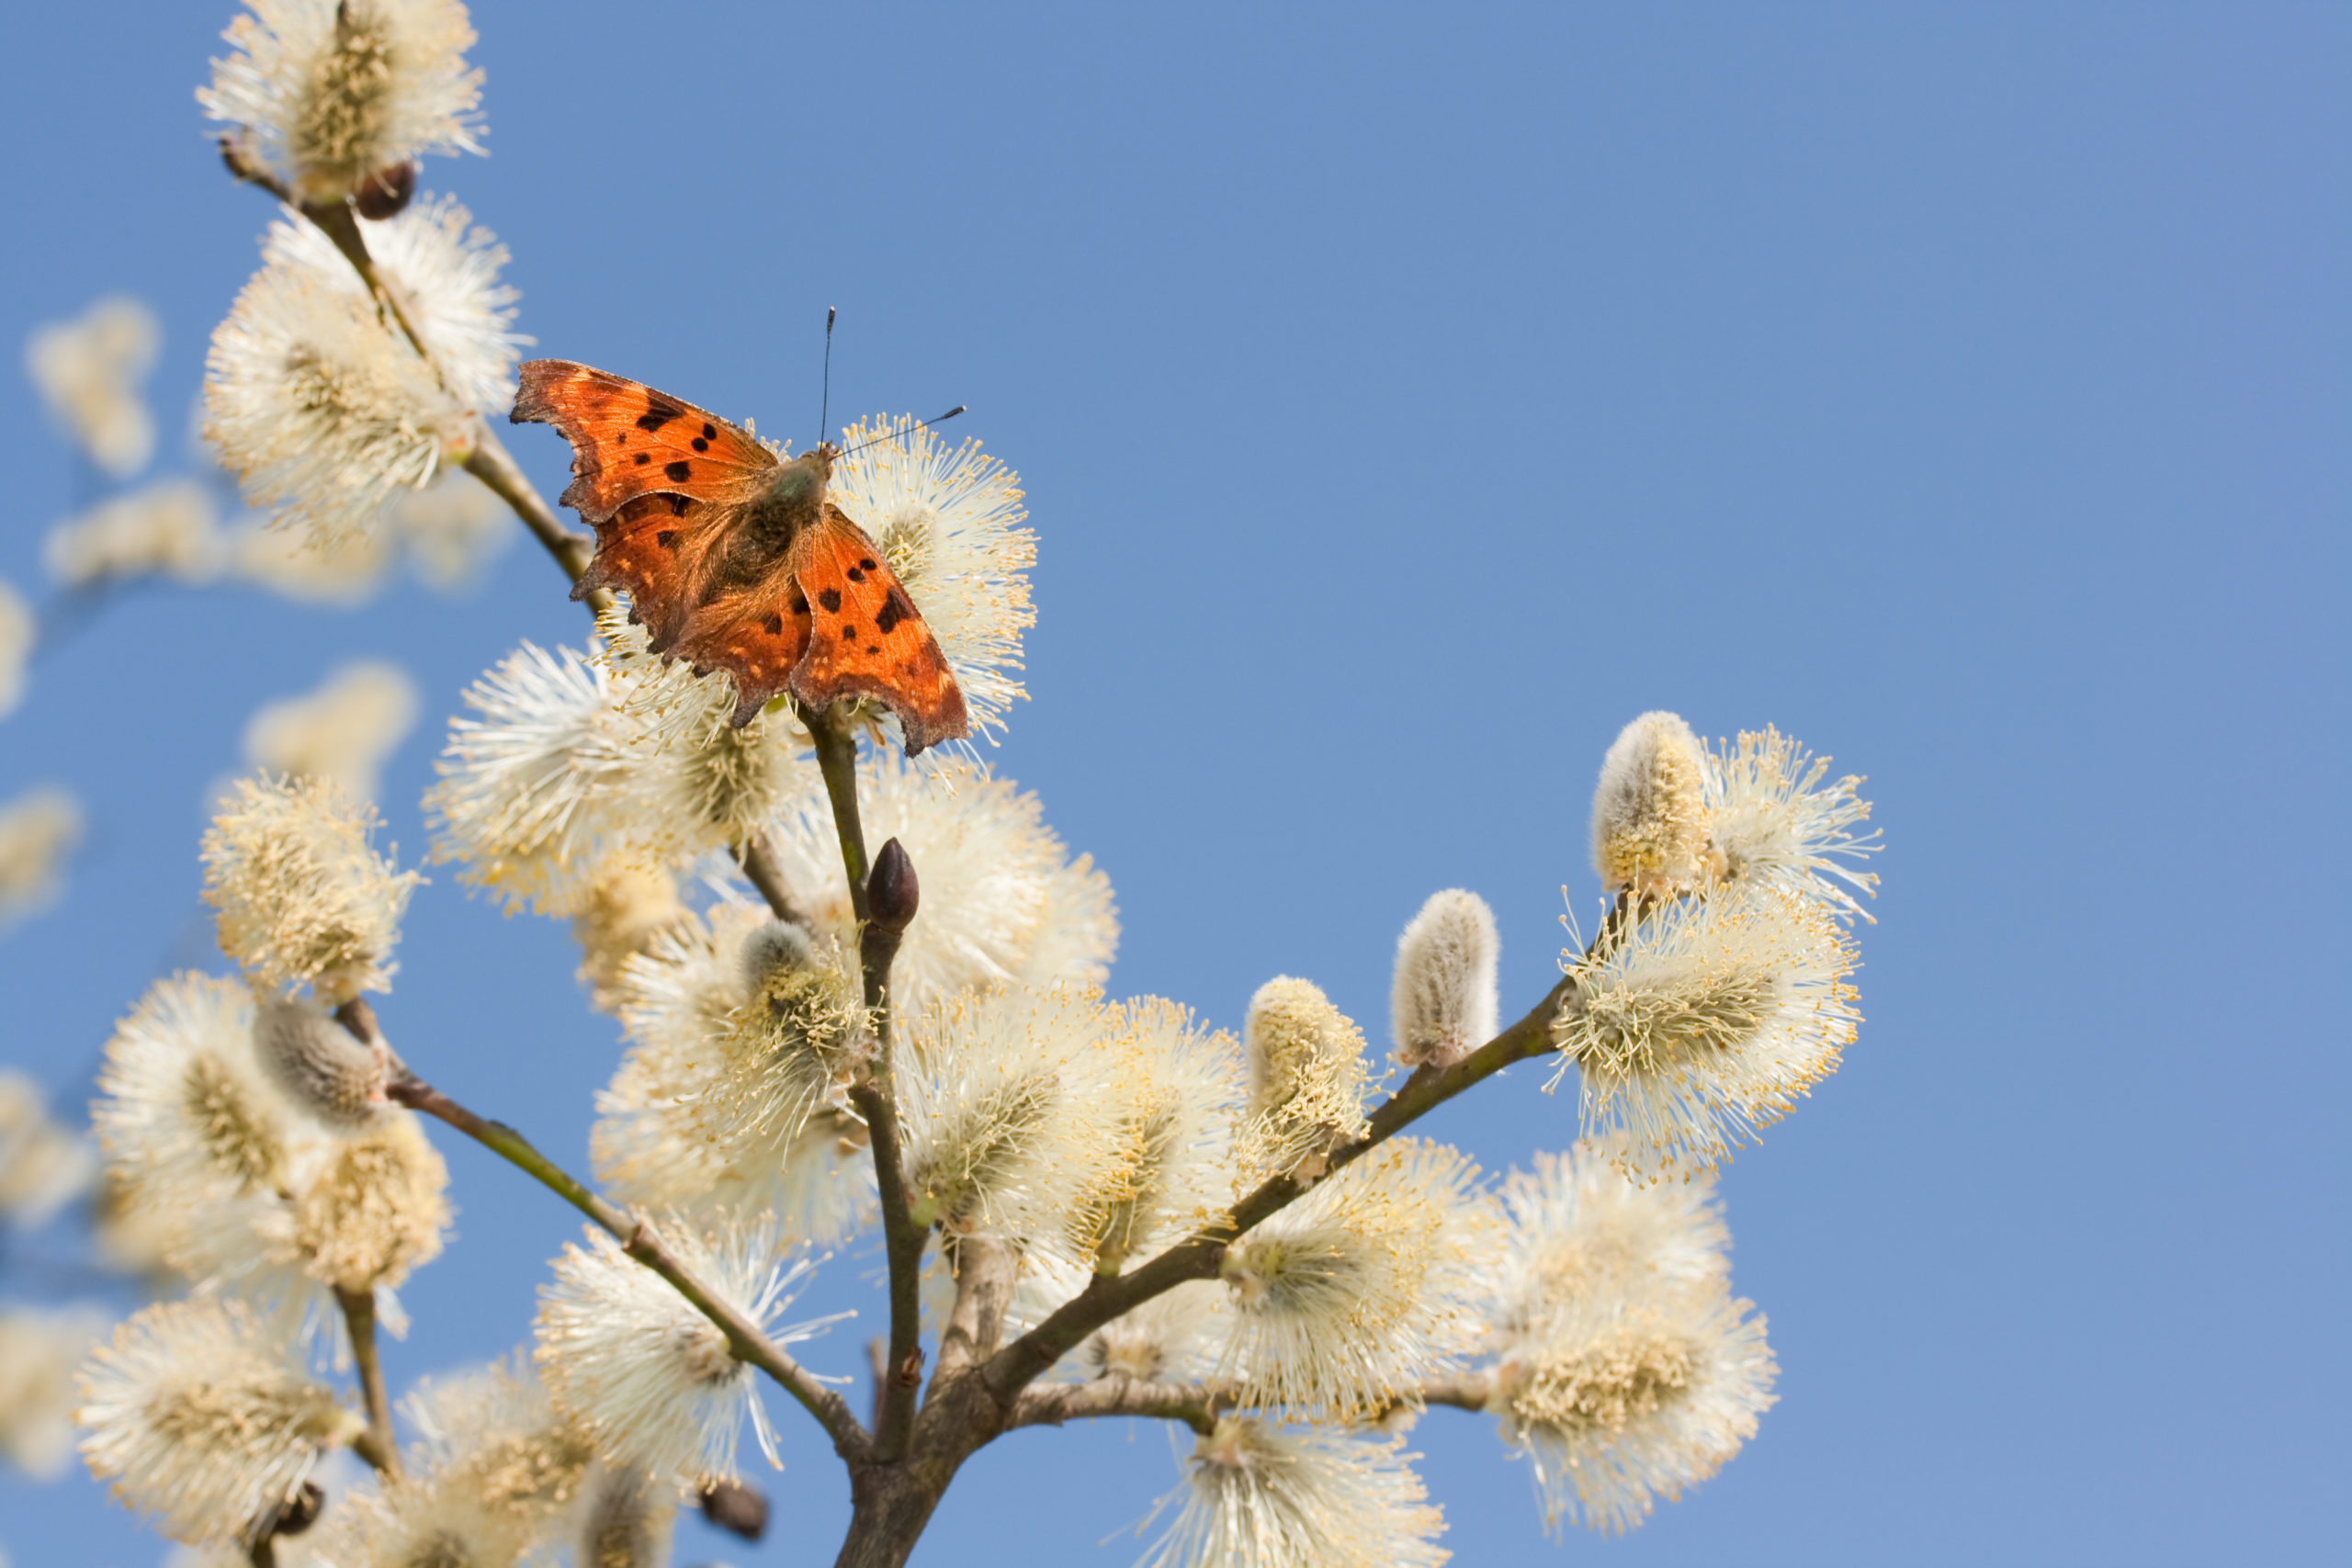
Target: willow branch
756,858
377,1445
743,1336
873,1096
489,462
984,1276
1107,1297
1050,1404
837,760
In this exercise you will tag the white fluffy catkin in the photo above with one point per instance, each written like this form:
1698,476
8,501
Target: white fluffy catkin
1649,810
1441,1005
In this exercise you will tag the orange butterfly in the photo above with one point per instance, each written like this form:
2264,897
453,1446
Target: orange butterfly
737,561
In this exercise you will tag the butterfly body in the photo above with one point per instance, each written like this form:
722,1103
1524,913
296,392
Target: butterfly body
735,559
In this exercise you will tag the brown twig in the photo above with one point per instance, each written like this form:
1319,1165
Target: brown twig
377,1445
489,462
1105,1297
639,1241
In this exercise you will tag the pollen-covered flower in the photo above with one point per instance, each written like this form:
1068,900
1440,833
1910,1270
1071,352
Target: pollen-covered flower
731,1096
625,907
19,632
39,1351
329,91
534,794
705,783
1649,811
1010,1111
1306,1077
302,895
1582,1235
447,273
1000,898
199,1140
419,1522
1173,1089
651,1380
342,732
493,1433
88,371
1774,820
38,831
321,408
371,1207
169,529
43,1166
1370,1282
1634,1397
1441,1006
201,1413
1705,1023
1260,1494
949,522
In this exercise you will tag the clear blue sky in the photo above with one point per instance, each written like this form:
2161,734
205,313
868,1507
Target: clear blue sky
1407,399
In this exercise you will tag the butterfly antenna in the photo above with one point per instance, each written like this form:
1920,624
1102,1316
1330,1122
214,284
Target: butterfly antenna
825,408
906,430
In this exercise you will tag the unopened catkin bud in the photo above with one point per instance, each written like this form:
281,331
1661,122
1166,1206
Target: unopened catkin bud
1306,1075
892,893
779,946
321,1065
1442,1002
1649,812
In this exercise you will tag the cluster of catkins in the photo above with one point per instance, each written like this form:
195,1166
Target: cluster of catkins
253,1123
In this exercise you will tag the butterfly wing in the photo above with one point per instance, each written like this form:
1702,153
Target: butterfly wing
628,440
866,637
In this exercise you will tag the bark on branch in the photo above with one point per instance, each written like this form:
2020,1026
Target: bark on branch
1019,1363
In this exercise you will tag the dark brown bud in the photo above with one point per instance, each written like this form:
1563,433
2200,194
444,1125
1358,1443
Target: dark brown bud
738,1509
301,1511
891,891
382,194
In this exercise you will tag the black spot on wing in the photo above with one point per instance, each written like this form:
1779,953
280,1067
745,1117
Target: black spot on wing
656,415
667,538
831,598
855,575
896,607
709,431
775,625
643,459
678,471
701,444
799,604
866,564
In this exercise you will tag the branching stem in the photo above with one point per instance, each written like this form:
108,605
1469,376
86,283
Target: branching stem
639,1240
1105,1297
489,462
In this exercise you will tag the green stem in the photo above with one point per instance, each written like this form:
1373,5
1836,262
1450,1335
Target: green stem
378,1445
743,1336
837,760
875,1096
